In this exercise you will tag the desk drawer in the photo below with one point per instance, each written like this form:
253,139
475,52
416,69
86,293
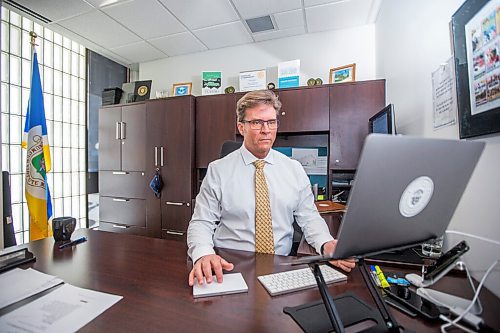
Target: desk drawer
123,184
123,211
122,229
174,235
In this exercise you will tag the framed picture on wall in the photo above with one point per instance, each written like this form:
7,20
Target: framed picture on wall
182,89
345,73
476,38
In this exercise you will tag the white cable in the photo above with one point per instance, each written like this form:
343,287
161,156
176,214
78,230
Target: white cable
474,299
455,232
479,305
443,329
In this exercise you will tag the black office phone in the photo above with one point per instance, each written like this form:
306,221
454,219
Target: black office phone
445,263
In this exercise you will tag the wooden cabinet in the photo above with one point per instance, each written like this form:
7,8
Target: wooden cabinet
122,177
122,135
171,150
304,110
136,140
351,105
215,123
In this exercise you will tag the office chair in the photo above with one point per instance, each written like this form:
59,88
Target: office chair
230,146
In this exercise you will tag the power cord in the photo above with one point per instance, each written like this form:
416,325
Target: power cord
466,311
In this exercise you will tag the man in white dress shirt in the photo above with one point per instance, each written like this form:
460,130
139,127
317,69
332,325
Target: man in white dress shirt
224,214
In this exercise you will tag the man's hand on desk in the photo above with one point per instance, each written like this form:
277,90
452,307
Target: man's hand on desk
203,268
345,264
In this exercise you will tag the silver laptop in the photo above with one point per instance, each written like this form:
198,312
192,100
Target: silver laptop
405,191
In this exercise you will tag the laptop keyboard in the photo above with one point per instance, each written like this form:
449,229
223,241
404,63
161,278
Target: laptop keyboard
298,279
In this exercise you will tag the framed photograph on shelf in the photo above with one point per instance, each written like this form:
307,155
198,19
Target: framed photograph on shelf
345,73
182,89
475,28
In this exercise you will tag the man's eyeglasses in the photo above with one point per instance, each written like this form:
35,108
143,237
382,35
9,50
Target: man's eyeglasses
257,124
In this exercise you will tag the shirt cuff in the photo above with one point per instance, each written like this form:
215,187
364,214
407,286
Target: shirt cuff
201,251
322,240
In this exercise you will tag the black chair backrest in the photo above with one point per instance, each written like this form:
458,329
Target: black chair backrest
228,147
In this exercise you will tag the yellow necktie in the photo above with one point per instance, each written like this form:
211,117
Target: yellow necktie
264,242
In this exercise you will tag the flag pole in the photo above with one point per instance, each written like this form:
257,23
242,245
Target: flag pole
38,155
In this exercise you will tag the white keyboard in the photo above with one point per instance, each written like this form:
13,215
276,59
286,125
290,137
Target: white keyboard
298,279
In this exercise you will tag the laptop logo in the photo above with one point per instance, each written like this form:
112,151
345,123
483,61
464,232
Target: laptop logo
416,196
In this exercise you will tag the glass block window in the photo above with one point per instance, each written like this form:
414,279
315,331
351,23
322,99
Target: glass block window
63,82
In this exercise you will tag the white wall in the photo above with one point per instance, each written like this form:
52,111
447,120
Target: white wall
412,40
317,52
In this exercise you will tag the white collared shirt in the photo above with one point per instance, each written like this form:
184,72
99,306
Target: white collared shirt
227,195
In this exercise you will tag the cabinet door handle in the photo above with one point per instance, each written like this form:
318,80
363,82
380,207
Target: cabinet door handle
161,156
120,199
120,226
156,156
177,233
123,126
120,173
117,131
171,203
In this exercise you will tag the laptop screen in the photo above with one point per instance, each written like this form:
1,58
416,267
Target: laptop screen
405,191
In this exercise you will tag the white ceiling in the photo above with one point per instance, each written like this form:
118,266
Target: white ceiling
134,31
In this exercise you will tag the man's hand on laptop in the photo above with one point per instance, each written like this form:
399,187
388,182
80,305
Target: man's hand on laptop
344,264
203,269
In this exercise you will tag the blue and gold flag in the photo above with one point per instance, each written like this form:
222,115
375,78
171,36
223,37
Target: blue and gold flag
38,160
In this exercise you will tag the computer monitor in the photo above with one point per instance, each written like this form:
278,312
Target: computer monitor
383,122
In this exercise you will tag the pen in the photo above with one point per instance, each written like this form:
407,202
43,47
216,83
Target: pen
374,276
381,277
76,241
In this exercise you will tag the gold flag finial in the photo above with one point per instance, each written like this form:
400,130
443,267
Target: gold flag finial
33,37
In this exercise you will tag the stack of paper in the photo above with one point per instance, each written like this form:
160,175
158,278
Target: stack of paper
19,284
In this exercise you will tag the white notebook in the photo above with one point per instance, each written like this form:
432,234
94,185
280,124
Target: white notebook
231,284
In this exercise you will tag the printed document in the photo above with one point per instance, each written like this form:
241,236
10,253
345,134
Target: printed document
18,284
66,309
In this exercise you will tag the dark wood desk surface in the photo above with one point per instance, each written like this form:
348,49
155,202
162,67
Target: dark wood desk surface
151,275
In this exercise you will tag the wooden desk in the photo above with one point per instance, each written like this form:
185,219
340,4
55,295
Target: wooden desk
151,274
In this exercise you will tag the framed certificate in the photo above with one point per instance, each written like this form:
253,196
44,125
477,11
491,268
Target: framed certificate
253,80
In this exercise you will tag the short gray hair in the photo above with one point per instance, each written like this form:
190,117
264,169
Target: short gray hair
255,98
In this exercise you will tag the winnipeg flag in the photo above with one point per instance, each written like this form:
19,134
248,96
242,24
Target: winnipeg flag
38,160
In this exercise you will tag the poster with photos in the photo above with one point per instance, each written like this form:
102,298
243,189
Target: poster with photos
482,42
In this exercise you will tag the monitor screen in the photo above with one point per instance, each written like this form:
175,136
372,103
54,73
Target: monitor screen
383,121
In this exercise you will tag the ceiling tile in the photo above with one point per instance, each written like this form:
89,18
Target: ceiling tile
196,14
309,3
223,35
139,52
261,36
102,3
55,10
88,43
100,29
339,15
178,44
147,18
290,19
256,8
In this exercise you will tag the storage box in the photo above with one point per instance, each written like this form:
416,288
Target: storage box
111,96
